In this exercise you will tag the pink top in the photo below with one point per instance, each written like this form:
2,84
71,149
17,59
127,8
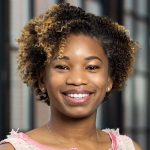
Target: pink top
21,141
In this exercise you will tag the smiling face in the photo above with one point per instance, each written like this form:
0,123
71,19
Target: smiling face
77,82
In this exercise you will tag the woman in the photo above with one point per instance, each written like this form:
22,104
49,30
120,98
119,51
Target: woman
73,60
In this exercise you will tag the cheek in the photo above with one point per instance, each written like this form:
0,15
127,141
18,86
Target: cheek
52,84
99,80
50,80
54,80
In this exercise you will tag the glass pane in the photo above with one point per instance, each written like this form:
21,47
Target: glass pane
142,7
19,102
99,117
142,54
128,5
135,102
41,6
140,101
128,105
75,3
19,15
128,22
93,7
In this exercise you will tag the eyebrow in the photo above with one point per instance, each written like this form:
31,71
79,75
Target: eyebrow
87,58
93,57
64,58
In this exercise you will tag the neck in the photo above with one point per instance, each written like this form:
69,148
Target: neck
73,128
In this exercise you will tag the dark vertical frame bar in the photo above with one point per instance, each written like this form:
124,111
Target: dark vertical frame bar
31,8
148,89
105,7
31,98
134,110
4,69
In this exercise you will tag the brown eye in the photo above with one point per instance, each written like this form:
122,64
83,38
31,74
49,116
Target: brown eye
62,67
92,68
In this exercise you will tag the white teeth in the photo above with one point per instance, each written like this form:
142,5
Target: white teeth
78,96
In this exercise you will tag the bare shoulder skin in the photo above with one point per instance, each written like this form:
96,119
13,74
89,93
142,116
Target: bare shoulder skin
6,146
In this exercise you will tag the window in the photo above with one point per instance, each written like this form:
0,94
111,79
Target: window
136,95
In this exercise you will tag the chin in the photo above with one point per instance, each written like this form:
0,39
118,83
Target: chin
80,115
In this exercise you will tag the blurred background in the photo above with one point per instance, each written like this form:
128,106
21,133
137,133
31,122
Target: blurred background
128,110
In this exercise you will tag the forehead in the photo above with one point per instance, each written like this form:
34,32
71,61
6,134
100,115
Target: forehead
83,45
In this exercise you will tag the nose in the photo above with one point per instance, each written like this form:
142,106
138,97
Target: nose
77,78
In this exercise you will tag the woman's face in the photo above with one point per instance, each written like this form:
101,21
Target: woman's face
77,82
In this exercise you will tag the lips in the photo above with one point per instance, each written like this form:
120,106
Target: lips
77,97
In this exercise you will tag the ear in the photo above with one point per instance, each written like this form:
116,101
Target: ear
41,81
109,85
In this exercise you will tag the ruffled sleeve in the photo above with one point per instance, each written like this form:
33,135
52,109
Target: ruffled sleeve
120,142
18,142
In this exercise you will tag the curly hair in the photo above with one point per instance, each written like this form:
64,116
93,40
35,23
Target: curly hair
45,36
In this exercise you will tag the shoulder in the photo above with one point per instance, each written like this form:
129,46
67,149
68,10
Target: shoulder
15,140
122,141
6,146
